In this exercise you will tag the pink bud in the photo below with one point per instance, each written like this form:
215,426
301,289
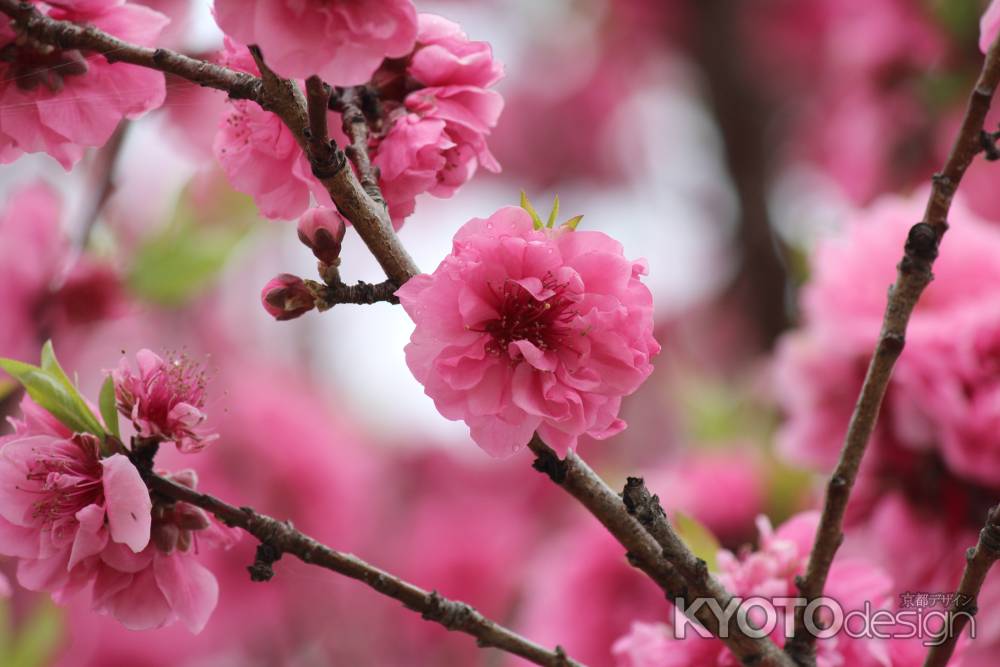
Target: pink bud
322,230
186,477
285,297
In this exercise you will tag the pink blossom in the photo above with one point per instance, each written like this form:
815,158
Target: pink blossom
322,230
341,41
989,26
438,138
522,330
260,154
60,101
770,572
942,395
286,297
164,400
62,504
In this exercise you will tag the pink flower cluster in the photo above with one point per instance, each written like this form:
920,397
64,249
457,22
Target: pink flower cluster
439,135
943,398
164,400
59,101
340,40
770,572
79,521
522,330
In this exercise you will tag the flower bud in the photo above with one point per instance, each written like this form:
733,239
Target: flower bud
322,230
285,297
165,537
186,477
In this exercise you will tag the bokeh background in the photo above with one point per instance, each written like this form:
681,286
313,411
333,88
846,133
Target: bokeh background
720,139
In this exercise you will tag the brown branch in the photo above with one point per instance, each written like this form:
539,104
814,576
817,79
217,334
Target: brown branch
355,125
66,35
328,296
279,537
104,168
914,274
324,156
979,560
674,569
270,91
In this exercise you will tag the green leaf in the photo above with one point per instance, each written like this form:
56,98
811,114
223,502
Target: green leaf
183,259
109,407
526,205
51,366
37,639
699,539
554,213
573,222
52,395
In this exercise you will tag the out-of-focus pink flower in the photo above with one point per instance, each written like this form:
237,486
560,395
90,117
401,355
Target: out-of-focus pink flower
41,292
322,230
768,573
942,394
586,558
522,330
59,101
286,297
260,155
989,26
685,484
340,40
62,505
5,589
439,136
164,400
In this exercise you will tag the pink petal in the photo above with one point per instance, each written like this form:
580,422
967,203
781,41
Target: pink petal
90,536
128,504
190,589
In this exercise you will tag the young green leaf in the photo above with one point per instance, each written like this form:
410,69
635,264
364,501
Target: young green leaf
49,393
573,222
554,214
526,205
51,366
699,539
109,407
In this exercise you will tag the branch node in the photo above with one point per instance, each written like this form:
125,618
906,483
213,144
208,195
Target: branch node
262,569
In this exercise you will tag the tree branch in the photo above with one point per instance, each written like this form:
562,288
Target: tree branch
362,293
326,159
914,274
979,560
66,35
356,128
279,537
674,569
273,93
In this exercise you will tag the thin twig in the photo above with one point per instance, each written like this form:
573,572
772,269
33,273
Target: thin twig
325,158
355,126
362,293
979,560
645,553
104,167
270,91
914,274
279,537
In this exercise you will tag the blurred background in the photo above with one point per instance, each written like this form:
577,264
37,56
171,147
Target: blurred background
720,139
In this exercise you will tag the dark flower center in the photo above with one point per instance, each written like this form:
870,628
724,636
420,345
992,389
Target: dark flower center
543,323
33,64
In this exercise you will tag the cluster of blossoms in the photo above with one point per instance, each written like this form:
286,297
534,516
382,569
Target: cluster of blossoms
60,101
933,465
765,574
78,517
430,80
526,328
